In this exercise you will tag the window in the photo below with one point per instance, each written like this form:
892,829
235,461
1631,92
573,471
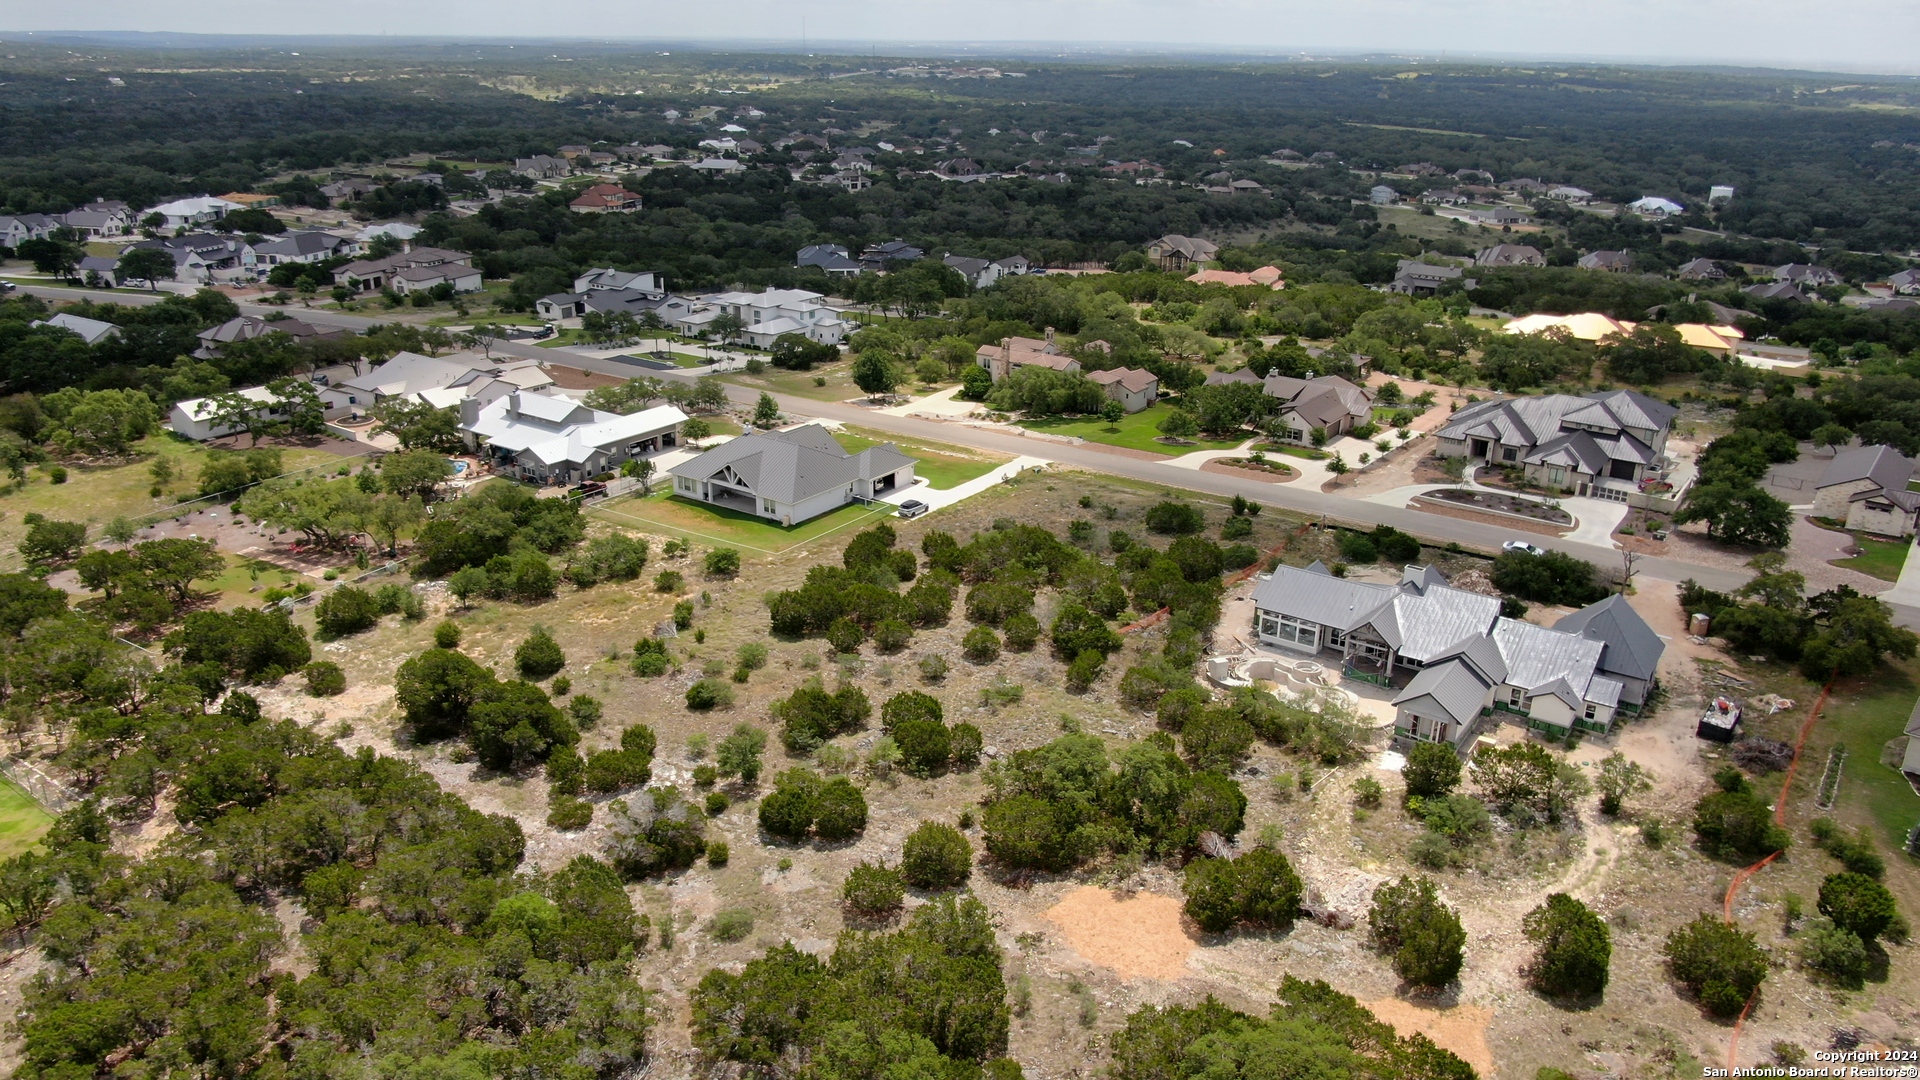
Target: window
1288,628
1593,710
1557,476
1336,638
1508,453
1517,698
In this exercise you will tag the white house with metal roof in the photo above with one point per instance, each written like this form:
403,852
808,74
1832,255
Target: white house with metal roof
790,476
554,439
1461,659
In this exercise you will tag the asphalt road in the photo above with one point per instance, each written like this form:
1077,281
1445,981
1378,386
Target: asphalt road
1085,456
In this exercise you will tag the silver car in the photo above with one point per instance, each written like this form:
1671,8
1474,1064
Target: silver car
913,508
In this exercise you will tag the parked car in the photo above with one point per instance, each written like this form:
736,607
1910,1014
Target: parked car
7,286
1523,547
913,508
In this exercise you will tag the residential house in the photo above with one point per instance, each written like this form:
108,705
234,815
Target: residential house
1014,353
346,190
717,165
1632,654
185,213
878,256
542,167
1416,278
1718,340
196,419
1443,197
766,315
1778,290
1568,194
1719,193
981,273
1177,253
1655,207
20,228
303,246
1525,186
99,218
441,381
605,199
1267,277
607,290
573,151
1615,262
1509,255
1461,662
398,230
1602,445
247,327
91,331
1867,489
412,271
790,476
250,200
551,439
1133,388
646,281
1700,270
1329,403
1382,195
1502,215
832,258
1249,187
207,258
1905,282
1805,276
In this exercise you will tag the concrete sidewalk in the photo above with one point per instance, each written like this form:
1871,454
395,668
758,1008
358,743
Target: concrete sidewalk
938,498
1906,591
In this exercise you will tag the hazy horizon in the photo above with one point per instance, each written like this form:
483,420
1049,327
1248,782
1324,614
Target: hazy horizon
1843,36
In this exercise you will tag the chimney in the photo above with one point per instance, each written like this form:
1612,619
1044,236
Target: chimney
469,412
1049,337
513,404
1002,365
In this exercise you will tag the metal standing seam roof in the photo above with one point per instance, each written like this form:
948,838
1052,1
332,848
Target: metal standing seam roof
1321,598
1543,660
1883,465
1429,625
1633,649
1453,686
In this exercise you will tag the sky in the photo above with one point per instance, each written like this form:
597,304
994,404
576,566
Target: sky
1838,35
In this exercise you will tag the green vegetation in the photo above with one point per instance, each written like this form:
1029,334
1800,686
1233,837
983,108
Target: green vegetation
1574,948
1135,431
717,525
1422,936
1718,963
1880,558
23,821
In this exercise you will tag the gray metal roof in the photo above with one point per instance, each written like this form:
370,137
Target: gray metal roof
1544,660
1484,655
1633,649
1452,686
1321,597
793,466
1431,624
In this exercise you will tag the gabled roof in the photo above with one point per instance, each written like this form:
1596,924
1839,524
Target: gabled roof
1132,380
1547,661
1886,467
792,466
1319,597
1455,688
557,430
90,330
1633,649
1433,623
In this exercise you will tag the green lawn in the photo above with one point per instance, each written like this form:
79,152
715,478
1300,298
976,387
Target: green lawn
1135,432
1880,558
1306,452
714,525
22,820
941,466
1864,715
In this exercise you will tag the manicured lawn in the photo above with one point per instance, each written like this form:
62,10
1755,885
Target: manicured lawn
714,525
942,466
1135,432
1864,715
235,584
1306,452
22,821
1880,558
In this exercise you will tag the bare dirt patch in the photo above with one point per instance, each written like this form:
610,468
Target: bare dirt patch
1461,1028
1139,936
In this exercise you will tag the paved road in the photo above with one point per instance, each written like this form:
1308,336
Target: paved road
1291,497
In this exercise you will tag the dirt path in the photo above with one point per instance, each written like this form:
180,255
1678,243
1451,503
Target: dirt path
1139,936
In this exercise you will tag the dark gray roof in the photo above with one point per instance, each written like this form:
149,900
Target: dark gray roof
793,466
1883,465
1452,686
1536,421
1633,649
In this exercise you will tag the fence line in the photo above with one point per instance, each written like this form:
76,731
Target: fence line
44,789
